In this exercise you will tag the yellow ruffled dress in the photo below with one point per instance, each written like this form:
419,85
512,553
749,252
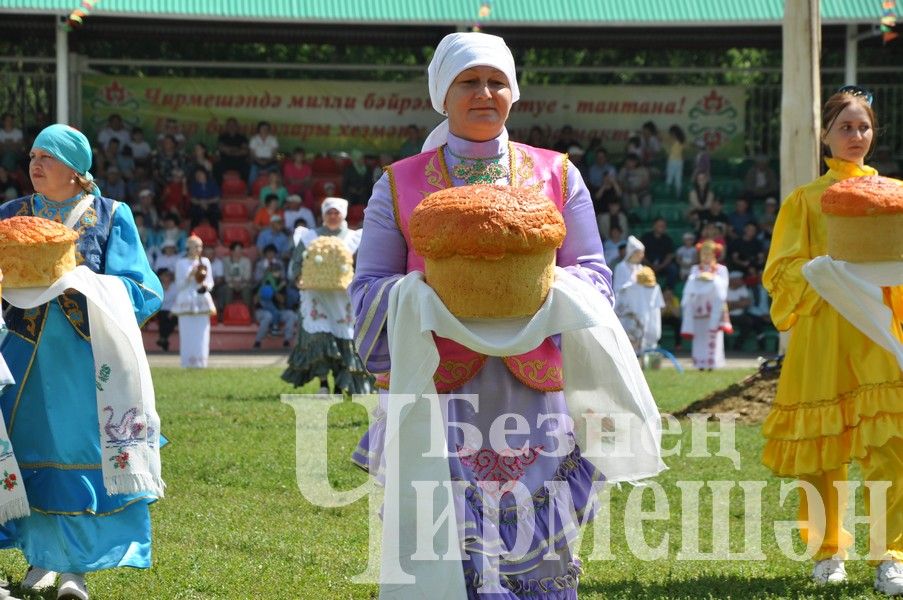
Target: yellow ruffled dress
839,392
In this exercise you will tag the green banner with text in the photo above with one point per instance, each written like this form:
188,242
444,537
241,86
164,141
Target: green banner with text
332,116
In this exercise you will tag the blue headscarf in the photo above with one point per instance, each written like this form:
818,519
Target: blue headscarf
69,146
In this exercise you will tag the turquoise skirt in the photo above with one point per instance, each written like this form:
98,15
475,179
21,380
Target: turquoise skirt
51,416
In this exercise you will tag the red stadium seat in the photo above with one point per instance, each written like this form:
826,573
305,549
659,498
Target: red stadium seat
236,233
234,188
235,212
324,165
321,184
207,234
251,253
355,215
259,184
236,313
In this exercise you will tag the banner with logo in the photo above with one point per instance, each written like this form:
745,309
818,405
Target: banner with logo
332,116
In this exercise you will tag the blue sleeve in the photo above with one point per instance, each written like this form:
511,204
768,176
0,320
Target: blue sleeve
126,258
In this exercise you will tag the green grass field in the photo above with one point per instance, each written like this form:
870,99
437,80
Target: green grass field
234,524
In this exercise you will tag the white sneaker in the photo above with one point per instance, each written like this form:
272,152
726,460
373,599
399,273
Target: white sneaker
323,390
39,579
72,587
829,571
6,595
889,578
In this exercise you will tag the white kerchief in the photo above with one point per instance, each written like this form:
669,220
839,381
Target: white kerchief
633,245
455,53
340,204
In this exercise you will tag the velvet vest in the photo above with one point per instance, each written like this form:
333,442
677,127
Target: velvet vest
414,178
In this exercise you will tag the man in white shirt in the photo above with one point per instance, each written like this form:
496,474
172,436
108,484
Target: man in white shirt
296,214
263,146
114,129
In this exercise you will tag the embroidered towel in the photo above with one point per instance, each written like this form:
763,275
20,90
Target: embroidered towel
602,377
130,447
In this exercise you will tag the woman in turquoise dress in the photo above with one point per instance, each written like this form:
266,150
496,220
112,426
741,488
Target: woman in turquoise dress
51,414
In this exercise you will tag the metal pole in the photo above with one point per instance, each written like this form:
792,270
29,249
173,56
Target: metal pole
849,77
62,71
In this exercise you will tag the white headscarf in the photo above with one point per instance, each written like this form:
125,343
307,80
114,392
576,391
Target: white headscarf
633,245
458,52
340,204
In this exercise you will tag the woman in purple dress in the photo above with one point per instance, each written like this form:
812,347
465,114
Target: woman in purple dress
473,82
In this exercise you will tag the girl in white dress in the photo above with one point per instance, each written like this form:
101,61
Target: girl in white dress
705,315
194,305
626,270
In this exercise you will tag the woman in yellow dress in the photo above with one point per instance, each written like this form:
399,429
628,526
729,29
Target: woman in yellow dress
840,395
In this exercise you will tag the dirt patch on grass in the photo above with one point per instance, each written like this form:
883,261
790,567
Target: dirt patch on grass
751,398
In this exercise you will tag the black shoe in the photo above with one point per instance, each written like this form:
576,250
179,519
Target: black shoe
257,344
285,343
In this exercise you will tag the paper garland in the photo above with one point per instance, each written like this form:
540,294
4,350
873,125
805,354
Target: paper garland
77,17
485,10
888,21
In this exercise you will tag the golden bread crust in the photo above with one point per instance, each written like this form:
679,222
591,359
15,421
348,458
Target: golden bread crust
485,221
35,252
328,265
863,196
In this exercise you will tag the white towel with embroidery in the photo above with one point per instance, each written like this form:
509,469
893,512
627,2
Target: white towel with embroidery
854,290
130,438
13,501
616,422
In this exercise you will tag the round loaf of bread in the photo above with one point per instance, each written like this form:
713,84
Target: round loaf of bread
489,250
35,252
864,219
327,265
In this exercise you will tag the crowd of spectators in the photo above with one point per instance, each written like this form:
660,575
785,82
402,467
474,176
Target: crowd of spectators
658,187
176,186
661,189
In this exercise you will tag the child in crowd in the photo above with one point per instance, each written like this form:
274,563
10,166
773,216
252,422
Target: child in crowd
674,171
296,214
171,232
265,213
140,149
265,263
273,187
145,204
175,194
611,245
168,257
686,255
